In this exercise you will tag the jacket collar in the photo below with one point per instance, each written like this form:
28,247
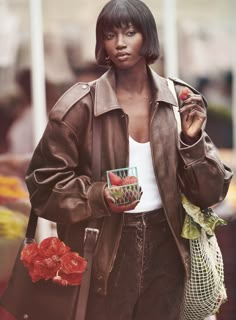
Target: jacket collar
105,96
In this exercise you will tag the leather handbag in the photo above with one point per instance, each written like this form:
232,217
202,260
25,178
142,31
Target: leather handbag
44,299
26,300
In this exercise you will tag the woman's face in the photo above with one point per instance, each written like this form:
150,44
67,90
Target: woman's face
123,46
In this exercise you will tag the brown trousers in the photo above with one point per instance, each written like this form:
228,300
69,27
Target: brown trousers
147,280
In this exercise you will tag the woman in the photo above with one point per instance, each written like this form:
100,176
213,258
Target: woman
140,260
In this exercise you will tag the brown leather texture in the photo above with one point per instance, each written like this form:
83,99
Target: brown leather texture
59,175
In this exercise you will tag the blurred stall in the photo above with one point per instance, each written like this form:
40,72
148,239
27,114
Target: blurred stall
14,212
226,236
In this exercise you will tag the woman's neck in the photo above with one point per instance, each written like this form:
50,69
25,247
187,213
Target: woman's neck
134,80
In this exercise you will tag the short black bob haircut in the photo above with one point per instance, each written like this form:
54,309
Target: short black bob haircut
119,13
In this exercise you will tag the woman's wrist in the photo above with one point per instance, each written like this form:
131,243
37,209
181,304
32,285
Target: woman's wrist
189,140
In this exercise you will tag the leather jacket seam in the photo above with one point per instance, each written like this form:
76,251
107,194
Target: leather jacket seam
71,129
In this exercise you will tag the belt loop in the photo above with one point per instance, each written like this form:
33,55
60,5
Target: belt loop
144,214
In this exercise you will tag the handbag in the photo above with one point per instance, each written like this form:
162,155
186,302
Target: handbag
44,299
204,290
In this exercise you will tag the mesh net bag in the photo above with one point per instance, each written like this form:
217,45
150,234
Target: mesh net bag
204,289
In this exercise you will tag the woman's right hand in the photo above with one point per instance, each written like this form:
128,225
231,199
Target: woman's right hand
118,208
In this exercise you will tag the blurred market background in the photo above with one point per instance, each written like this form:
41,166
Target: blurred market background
48,45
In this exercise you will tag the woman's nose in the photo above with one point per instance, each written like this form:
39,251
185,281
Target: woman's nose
120,42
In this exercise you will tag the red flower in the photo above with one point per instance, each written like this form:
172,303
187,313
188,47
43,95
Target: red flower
72,262
51,259
44,268
52,246
73,279
72,268
29,253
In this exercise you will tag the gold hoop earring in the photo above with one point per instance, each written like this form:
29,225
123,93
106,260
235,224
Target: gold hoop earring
108,60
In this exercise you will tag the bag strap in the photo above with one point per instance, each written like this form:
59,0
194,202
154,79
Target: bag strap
31,227
91,236
96,146
91,232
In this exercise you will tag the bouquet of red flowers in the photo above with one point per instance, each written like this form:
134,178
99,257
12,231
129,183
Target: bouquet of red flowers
52,259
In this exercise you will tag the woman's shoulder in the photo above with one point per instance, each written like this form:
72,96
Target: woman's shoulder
179,84
79,92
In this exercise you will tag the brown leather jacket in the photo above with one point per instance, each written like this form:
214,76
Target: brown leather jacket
59,175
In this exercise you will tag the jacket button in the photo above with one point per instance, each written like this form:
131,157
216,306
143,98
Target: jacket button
84,86
99,277
25,316
99,290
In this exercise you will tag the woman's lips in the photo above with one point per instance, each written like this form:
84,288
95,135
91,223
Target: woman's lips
121,56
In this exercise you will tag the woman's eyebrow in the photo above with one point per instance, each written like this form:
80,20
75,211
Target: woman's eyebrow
123,27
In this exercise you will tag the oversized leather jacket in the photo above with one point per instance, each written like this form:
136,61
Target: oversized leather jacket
59,175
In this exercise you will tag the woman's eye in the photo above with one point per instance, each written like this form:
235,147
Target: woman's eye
109,36
131,33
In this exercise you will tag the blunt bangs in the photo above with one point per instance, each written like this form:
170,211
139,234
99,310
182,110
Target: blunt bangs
120,13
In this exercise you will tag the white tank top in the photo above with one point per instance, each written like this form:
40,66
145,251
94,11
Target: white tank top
140,157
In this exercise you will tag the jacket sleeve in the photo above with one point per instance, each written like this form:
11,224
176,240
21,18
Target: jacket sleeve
57,192
203,178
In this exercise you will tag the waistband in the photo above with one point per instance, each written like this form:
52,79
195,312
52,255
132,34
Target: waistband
156,216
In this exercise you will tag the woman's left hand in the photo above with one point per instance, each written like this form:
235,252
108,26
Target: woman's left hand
193,115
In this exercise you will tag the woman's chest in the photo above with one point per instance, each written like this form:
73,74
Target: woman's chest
138,112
